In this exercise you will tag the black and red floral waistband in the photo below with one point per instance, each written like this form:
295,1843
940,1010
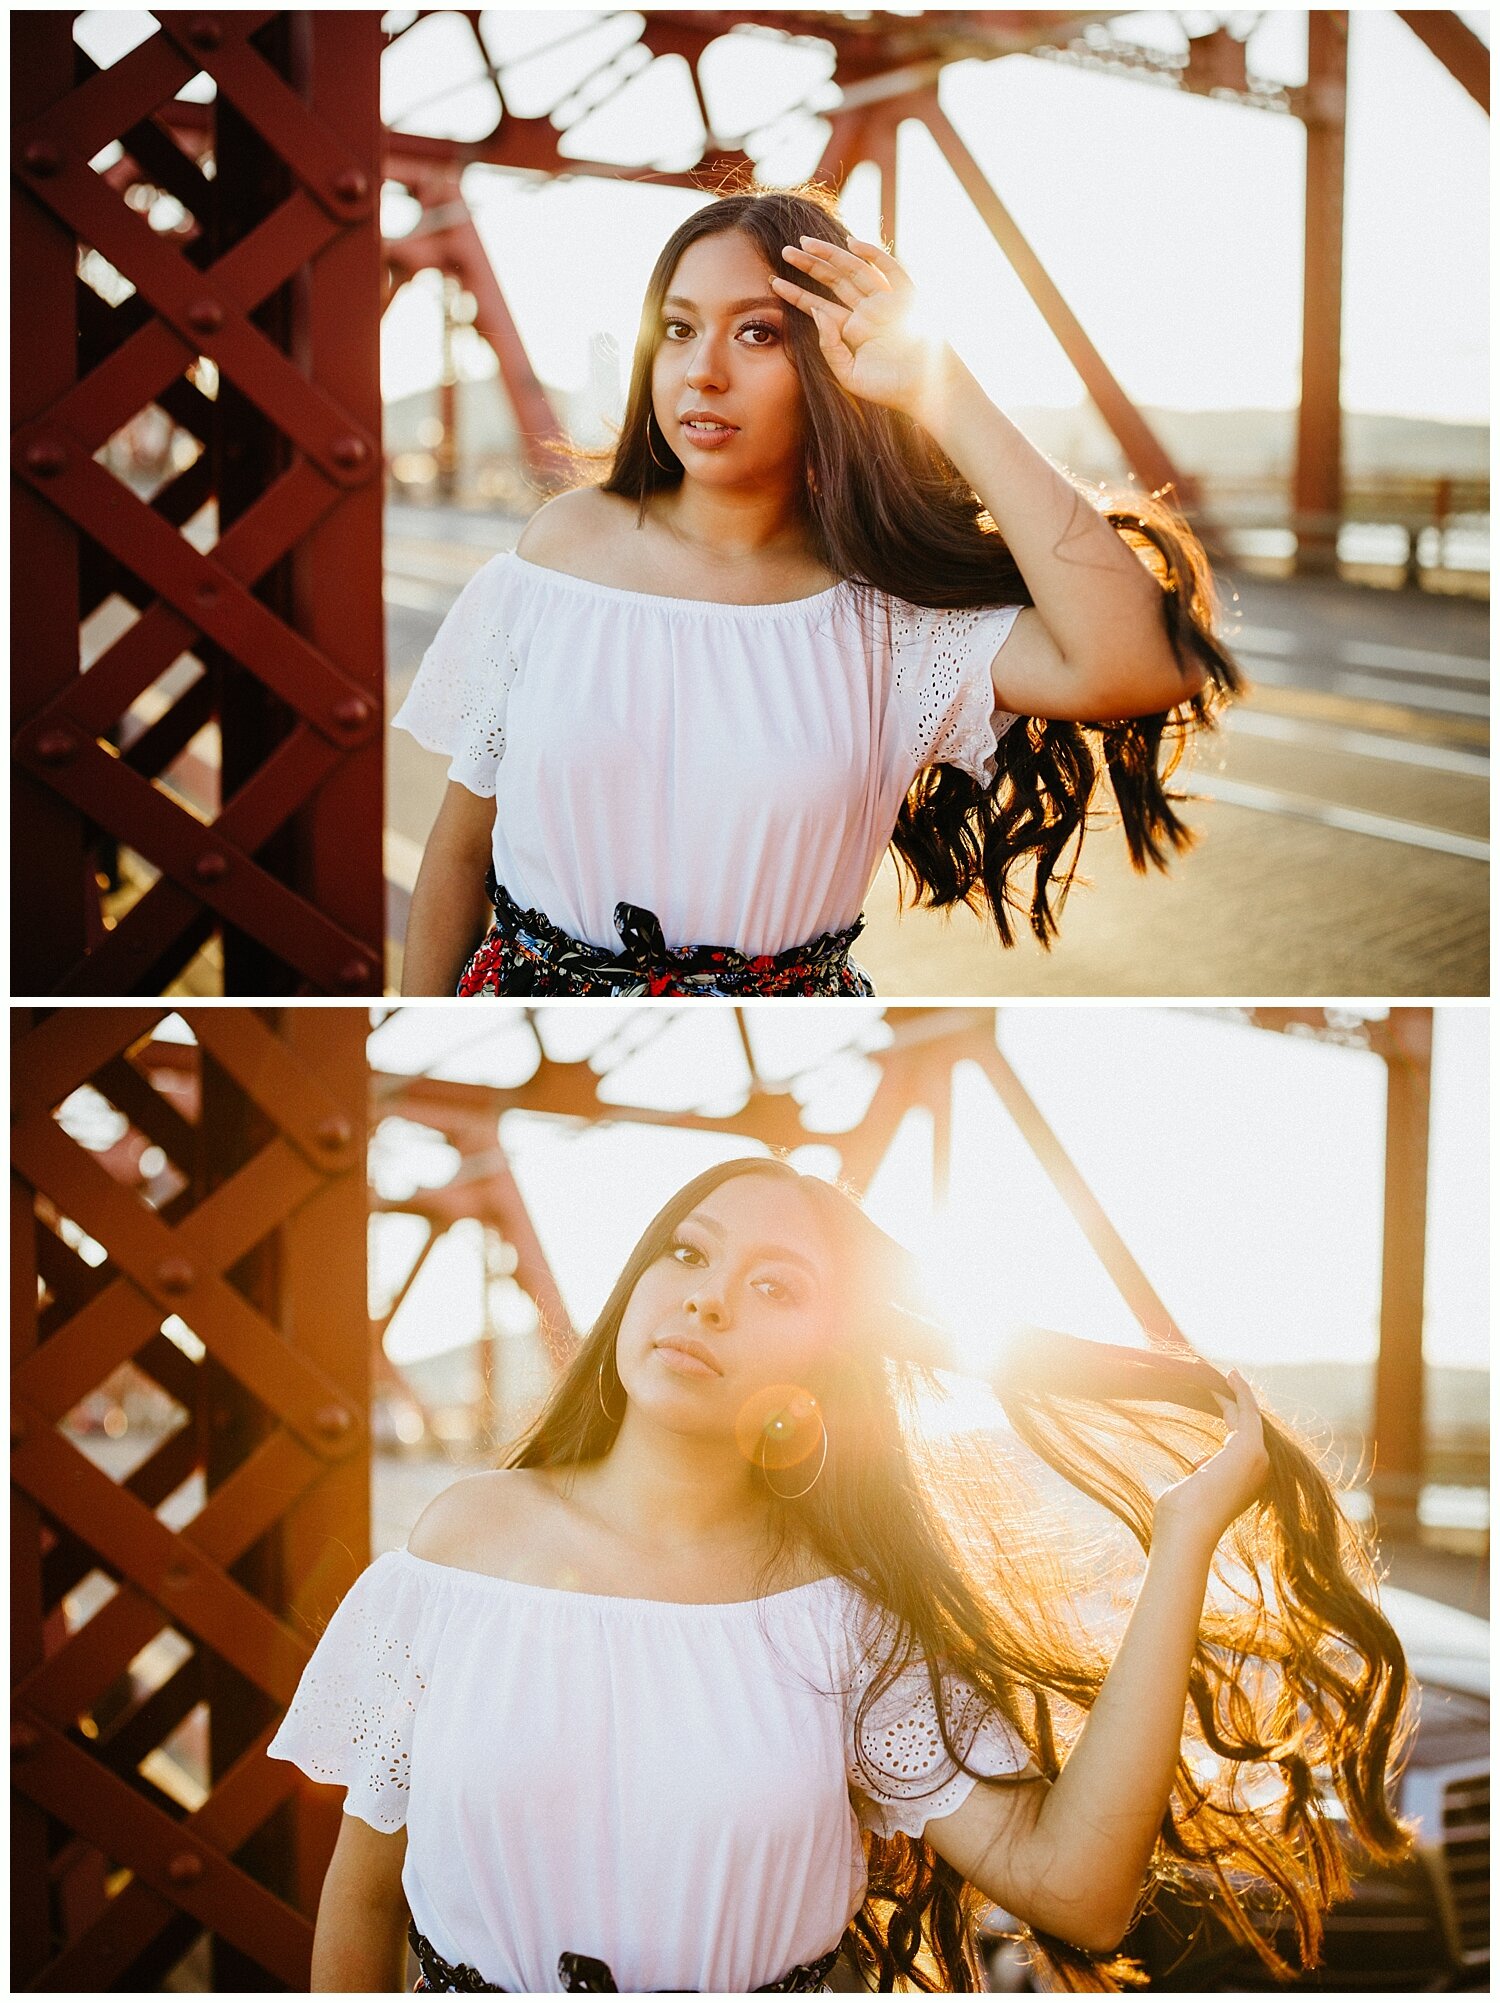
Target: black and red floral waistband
524,953
581,1972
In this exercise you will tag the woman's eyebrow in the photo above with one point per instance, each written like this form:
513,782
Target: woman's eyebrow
739,305
761,1250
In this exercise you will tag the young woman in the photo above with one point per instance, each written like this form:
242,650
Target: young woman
725,1669
826,600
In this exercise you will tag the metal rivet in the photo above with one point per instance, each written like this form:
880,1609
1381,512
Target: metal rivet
175,1578
17,1428
351,185
351,711
332,1421
205,316
56,747
184,1868
46,458
334,1133
207,593
210,866
42,158
204,32
349,451
355,973
24,1740
175,1276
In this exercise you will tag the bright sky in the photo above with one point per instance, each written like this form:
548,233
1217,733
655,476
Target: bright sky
1243,1169
1172,224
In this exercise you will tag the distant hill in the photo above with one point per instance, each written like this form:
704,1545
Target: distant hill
1217,444
1458,1401
1261,444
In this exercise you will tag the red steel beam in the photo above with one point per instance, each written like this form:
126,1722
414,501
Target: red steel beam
1146,456
54,909
1399,1373
337,569
453,244
1317,482
1456,47
1116,1257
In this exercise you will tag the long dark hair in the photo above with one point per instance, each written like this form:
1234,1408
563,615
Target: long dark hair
973,1568
887,508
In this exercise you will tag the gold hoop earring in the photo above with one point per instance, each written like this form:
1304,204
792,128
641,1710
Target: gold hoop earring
781,1494
651,448
603,1407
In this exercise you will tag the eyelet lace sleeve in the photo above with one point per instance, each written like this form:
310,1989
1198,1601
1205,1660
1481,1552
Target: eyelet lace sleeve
901,1776
457,702
350,1720
941,677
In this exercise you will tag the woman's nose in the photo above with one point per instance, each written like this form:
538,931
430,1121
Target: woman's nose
706,367
707,1306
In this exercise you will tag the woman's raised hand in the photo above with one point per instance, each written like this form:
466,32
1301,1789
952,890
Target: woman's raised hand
1202,1505
871,350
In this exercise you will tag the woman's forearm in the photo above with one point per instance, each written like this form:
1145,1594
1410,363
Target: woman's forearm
448,916
1099,1824
359,1944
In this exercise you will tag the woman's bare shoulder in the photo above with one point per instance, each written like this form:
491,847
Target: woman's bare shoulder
563,530
477,1516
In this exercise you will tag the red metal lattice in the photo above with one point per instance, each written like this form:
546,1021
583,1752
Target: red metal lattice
274,279
248,1229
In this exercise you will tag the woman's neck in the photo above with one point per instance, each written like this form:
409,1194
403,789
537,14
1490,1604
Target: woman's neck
671,1494
729,528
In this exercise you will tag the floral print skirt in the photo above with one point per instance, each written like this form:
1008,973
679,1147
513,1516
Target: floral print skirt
524,953
580,1972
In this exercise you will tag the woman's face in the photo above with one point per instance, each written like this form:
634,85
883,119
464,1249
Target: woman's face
722,348
742,1298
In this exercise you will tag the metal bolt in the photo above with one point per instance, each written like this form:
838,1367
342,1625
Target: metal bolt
56,747
332,1421
42,158
175,1276
204,32
175,1578
207,593
184,1868
210,866
355,973
351,712
205,316
24,1740
351,185
46,458
334,1133
349,452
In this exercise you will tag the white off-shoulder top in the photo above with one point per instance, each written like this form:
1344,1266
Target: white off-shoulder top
737,769
673,1789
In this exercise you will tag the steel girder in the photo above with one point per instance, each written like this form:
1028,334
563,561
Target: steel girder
259,560
231,1278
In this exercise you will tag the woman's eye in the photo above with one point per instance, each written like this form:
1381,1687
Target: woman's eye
775,1290
751,326
679,1246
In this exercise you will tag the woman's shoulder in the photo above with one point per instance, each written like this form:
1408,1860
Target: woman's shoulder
566,531
471,1523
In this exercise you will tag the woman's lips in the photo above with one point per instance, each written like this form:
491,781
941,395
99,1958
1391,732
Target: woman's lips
682,1360
709,440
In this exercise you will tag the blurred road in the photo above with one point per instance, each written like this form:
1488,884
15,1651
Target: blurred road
1342,816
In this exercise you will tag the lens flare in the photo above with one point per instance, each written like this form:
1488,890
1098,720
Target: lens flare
778,1426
